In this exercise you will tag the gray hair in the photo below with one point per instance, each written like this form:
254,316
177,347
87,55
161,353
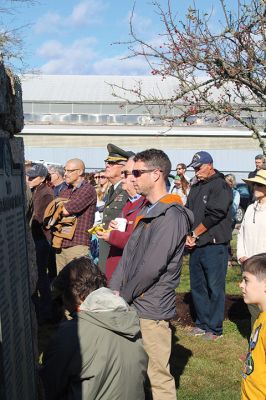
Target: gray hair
59,169
260,157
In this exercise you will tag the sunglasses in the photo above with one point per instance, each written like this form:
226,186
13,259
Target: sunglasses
258,184
102,177
125,173
138,172
96,177
31,178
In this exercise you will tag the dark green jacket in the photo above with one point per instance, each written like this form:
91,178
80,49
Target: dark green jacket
98,355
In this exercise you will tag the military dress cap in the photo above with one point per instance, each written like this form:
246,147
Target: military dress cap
37,170
201,157
117,154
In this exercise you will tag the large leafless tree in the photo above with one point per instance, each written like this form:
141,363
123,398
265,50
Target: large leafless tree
219,71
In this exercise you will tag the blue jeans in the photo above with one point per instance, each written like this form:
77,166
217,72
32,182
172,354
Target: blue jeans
208,267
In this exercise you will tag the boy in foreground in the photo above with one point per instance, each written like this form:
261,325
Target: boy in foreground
253,288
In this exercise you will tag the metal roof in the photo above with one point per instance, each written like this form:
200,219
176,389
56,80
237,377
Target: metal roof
89,88
98,89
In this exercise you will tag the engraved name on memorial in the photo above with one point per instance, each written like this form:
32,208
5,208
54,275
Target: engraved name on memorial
17,369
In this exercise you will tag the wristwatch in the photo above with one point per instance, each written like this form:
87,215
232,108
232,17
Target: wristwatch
193,234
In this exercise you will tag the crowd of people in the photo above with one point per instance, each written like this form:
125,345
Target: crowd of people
109,251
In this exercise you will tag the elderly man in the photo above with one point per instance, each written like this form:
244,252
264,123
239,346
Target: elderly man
81,202
210,199
57,178
149,270
116,196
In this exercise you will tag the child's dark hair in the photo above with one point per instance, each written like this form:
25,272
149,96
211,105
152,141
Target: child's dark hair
78,279
256,265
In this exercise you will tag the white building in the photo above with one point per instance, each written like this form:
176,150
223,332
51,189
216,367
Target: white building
69,116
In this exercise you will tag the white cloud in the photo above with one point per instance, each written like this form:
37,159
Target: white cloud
49,22
74,58
50,49
85,13
80,57
140,24
119,66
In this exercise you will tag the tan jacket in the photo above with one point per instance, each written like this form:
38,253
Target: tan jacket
62,227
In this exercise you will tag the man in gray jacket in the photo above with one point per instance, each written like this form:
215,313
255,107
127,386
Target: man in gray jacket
150,268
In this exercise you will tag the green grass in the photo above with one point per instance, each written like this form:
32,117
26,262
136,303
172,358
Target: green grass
208,370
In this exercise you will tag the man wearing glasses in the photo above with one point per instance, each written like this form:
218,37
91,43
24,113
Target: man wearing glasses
149,270
116,197
81,202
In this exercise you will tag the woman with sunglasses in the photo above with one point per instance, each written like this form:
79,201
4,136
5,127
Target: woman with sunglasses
252,237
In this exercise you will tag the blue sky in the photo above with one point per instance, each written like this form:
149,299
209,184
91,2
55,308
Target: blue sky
77,36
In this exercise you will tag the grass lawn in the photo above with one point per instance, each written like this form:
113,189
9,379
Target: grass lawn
208,371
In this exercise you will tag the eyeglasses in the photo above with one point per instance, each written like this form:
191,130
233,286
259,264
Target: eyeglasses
126,173
138,172
69,171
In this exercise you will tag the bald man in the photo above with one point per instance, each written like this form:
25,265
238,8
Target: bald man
81,202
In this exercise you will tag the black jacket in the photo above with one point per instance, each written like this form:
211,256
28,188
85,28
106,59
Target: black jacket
210,202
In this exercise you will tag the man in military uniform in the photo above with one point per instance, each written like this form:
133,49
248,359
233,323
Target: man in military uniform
116,196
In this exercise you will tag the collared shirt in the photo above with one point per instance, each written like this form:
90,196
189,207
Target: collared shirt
82,203
134,198
57,189
116,184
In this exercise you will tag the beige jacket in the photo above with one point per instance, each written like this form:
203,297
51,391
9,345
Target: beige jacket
62,227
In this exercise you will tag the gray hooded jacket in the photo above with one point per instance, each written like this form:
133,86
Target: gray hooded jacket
98,355
149,271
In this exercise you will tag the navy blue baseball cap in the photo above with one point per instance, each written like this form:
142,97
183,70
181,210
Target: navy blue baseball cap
201,157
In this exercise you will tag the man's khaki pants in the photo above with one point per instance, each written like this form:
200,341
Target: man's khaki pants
68,254
157,341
